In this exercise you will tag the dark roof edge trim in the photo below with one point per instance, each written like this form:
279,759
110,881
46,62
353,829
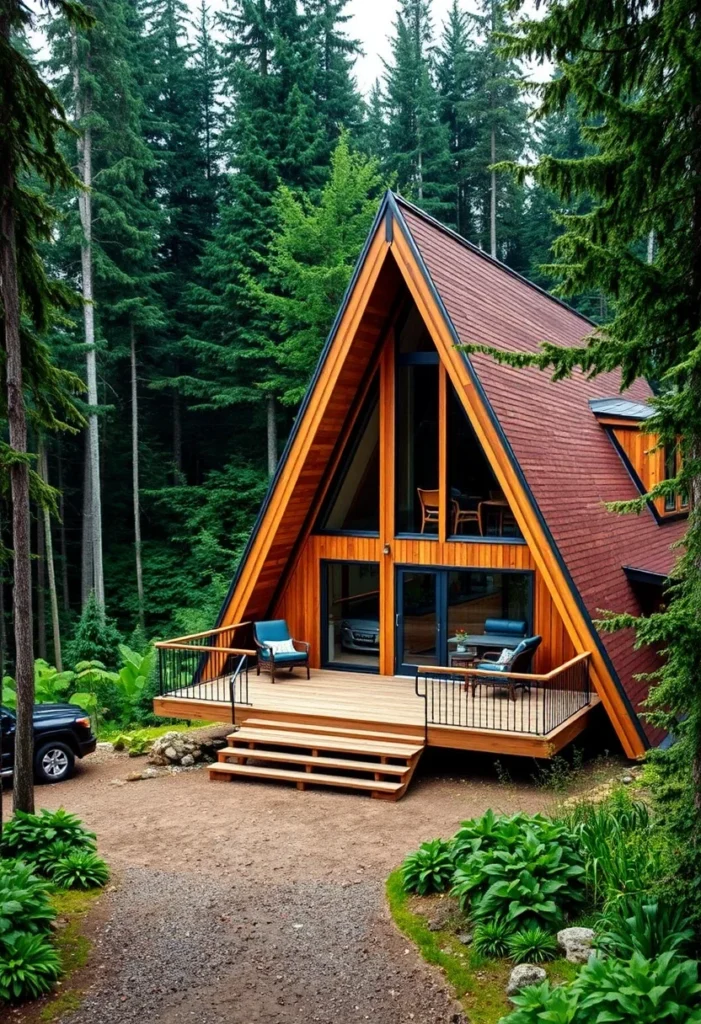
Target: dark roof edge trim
517,468
383,209
636,575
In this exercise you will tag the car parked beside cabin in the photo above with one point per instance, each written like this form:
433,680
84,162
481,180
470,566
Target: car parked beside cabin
62,732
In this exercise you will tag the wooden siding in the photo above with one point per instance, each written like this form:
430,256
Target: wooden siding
646,458
300,600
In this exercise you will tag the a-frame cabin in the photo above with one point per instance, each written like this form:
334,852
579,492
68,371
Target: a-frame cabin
432,511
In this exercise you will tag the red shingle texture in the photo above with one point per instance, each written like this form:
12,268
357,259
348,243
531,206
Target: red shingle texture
568,461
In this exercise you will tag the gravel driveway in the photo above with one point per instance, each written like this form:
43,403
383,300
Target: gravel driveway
254,903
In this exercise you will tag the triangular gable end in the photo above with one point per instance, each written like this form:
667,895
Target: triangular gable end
391,256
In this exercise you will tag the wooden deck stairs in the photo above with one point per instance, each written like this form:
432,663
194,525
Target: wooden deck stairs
377,763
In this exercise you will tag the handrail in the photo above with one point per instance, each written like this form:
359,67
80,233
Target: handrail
534,677
170,645
198,636
492,700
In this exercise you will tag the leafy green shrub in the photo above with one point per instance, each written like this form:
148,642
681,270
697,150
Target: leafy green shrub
430,868
136,743
24,905
524,869
81,869
648,929
134,675
491,938
29,966
29,836
620,857
662,990
532,945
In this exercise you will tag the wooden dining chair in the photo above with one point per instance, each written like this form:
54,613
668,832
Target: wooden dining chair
464,515
430,506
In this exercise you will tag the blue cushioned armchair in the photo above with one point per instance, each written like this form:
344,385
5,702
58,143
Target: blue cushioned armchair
277,630
520,661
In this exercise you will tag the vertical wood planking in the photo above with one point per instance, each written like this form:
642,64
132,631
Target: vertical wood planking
387,506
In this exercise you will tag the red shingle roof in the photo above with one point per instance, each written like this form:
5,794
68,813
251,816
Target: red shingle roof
568,461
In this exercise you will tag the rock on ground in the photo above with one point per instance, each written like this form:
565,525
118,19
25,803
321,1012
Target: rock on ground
577,944
524,975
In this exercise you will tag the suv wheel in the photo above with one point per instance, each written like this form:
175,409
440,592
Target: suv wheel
53,762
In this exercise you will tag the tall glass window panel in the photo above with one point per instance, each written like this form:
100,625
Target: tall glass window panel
474,597
477,506
354,502
412,335
418,638
353,614
416,465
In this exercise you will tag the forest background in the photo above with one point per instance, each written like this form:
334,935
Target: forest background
234,169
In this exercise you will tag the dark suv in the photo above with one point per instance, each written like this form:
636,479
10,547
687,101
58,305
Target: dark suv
62,732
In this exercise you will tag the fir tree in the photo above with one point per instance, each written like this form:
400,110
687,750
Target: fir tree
456,81
311,259
274,134
30,120
417,141
334,86
636,83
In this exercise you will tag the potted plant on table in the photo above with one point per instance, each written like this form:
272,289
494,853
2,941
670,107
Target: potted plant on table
461,637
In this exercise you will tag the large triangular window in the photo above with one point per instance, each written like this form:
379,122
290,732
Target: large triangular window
477,505
353,504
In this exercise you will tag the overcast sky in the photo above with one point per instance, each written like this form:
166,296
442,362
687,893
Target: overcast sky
371,24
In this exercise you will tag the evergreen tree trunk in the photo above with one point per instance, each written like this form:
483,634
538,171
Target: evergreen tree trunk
41,583
177,438
87,578
23,784
493,200
272,437
135,479
85,208
65,594
50,569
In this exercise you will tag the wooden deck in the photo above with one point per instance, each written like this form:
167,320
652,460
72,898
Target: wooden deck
386,703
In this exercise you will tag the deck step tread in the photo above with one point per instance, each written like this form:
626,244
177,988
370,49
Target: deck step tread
287,775
317,741
309,759
330,730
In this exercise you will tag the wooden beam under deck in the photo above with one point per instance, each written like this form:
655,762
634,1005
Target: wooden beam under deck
354,699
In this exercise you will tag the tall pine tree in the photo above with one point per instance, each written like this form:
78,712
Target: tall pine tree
417,141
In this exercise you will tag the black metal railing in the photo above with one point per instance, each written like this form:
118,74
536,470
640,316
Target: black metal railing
504,702
205,667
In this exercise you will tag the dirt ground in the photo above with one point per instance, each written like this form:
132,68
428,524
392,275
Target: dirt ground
254,903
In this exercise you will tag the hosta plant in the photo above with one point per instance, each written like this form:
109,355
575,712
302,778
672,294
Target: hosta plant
81,869
24,905
533,879
429,869
662,990
491,938
29,835
29,966
532,945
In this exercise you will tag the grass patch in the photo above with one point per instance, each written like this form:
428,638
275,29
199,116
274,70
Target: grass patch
478,983
109,732
73,947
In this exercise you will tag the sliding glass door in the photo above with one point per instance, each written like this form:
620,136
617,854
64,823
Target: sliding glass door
434,604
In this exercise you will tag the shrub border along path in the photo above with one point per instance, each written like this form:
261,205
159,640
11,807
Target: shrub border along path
478,983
